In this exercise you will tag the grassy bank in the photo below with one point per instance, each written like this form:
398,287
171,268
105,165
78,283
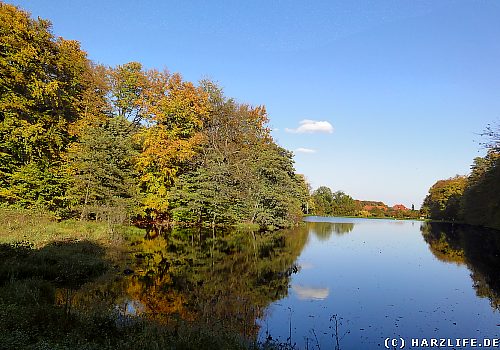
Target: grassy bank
45,265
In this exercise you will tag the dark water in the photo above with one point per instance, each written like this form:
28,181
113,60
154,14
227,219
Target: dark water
351,282
384,278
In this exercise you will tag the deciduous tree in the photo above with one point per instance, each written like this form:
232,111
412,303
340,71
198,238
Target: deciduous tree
443,200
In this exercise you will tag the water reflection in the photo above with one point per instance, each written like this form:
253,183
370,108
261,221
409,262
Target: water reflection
225,279
323,230
374,274
476,248
384,278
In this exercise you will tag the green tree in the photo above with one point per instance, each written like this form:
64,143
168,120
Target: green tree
104,184
322,198
41,85
474,199
211,190
175,111
129,88
481,198
238,172
277,194
95,105
69,128
343,205
443,200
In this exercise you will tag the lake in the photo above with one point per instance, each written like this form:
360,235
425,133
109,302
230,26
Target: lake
373,279
331,283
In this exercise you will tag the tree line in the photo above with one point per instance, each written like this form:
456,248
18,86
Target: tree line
325,202
127,143
475,198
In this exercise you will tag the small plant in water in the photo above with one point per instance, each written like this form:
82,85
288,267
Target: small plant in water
336,335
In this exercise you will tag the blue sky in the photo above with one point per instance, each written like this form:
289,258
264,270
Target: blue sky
402,87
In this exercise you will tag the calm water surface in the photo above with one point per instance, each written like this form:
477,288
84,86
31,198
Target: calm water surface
355,281
374,279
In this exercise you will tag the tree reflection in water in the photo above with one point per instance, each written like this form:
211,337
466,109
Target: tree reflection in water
190,275
477,248
323,230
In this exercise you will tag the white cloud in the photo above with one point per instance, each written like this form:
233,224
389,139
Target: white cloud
305,150
308,126
309,293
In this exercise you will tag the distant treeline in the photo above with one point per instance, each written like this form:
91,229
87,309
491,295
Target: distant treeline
324,201
473,199
122,143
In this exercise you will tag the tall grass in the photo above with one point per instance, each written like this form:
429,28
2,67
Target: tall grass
40,229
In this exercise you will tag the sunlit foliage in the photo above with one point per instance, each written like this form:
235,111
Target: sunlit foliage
481,199
42,81
474,199
128,143
443,200
326,202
